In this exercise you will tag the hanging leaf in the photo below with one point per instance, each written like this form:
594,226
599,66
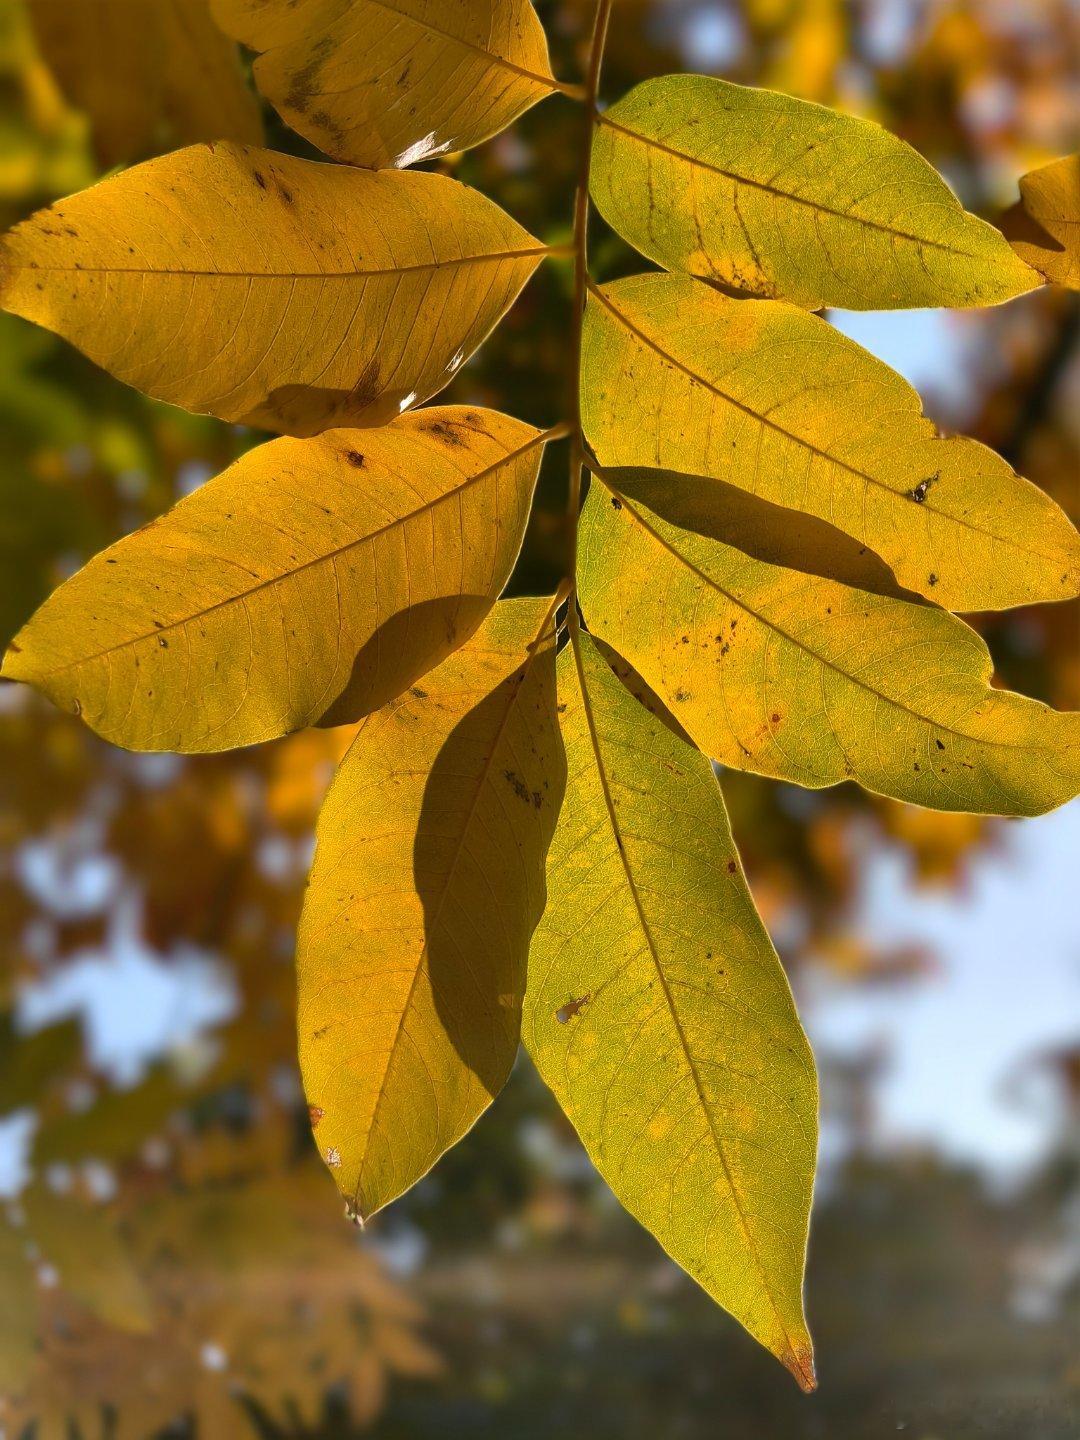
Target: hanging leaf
269,290
786,199
148,74
312,580
392,82
1043,227
777,671
427,884
775,401
660,1016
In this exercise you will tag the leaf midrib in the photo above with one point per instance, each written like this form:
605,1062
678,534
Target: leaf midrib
488,257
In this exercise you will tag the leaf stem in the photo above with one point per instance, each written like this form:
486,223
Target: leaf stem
581,282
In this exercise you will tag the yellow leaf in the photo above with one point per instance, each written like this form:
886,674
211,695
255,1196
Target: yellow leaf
391,82
83,1245
427,884
777,402
787,199
781,672
312,581
269,290
1043,227
148,74
660,1016
18,1303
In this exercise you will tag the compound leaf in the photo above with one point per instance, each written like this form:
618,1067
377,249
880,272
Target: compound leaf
427,884
805,679
660,1016
779,403
269,290
392,82
1043,227
312,580
783,198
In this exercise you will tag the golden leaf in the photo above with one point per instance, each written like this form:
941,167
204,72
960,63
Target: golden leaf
1043,227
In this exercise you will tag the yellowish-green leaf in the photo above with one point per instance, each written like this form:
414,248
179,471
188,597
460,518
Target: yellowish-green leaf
148,74
786,199
391,82
1043,227
269,290
18,1305
781,672
777,402
83,1245
659,1014
312,581
427,884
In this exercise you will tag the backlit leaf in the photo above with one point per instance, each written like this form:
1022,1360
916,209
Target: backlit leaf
427,884
391,82
269,290
149,73
779,403
783,198
659,1014
1043,227
781,672
312,580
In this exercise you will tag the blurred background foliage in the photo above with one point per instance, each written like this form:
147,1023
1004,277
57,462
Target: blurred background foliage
171,1254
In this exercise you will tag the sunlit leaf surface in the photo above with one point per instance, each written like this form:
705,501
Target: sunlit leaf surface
1043,227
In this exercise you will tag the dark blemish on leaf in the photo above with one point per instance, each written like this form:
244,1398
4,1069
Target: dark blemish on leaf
724,648
318,1034
931,579
732,867
775,717
443,430
285,193
940,744
616,503
420,694
922,488
686,639
682,695
355,459
163,642
561,709
260,180
520,789
315,1114
566,1013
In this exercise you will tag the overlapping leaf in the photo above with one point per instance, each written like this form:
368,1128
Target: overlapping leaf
270,290
659,1014
391,82
1043,227
806,679
427,884
312,580
153,71
783,198
777,402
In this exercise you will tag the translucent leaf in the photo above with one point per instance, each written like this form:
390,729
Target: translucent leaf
269,290
783,198
779,403
84,1246
392,82
781,672
313,580
1043,227
659,1014
427,884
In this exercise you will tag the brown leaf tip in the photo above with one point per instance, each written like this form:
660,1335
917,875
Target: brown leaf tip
800,1362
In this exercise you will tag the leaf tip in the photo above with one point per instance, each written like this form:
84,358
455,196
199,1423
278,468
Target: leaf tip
800,1361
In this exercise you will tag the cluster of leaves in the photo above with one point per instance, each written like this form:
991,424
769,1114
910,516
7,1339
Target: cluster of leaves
769,554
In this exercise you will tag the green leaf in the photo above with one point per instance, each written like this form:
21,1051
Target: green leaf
781,672
660,1016
777,402
392,82
783,198
269,290
427,884
312,581
1043,227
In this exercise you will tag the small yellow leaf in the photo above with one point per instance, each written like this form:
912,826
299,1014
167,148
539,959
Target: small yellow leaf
392,82
269,290
148,75
660,1016
779,403
427,884
781,672
787,199
312,581
1043,227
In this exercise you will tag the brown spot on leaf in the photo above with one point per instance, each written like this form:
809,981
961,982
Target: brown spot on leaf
315,1114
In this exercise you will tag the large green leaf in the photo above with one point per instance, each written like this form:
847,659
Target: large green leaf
777,402
427,884
392,82
312,581
776,670
659,1014
270,290
782,198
